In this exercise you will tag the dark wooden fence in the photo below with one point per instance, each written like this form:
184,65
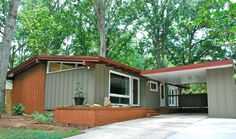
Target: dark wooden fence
190,103
193,100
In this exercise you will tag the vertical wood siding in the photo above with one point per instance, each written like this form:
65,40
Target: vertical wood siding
102,83
149,99
221,90
60,87
28,89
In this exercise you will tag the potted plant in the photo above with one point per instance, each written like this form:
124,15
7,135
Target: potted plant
79,95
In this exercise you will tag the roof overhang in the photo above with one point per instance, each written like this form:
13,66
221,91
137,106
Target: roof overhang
87,60
195,73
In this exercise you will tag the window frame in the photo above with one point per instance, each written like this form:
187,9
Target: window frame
156,83
62,62
136,78
130,96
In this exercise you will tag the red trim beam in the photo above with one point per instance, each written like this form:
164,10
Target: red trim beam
189,67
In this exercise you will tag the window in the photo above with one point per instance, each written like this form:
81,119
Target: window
55,66
119,88
153,86
124,89
136,92
65,66
173,93
162,91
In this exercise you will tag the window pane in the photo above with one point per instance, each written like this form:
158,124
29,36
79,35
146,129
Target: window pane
66,66
154,86
54,67
80,65
119,100
119,84
135,91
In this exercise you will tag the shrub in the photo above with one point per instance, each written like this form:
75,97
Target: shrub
43,118
18,109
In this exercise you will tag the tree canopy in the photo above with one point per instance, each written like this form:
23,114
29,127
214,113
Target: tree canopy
144,34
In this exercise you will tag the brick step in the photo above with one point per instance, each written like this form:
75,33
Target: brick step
164,110
152,114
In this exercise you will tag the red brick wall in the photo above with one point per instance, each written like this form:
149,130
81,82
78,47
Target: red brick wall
90,117
28,88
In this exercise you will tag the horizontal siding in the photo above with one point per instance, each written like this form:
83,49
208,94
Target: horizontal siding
60,87
28,88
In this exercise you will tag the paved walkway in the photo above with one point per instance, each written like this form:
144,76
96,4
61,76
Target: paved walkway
171,126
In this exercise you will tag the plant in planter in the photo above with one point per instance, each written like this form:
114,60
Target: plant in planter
79,95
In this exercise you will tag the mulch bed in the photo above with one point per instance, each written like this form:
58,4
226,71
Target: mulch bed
26,121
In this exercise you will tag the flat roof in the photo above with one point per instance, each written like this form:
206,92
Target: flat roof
194,73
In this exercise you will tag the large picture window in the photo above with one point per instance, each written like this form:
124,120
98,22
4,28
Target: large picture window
119,84
124,89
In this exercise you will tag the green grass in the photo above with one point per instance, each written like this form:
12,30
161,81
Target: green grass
20,133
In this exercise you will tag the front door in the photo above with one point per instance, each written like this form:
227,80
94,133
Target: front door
173,95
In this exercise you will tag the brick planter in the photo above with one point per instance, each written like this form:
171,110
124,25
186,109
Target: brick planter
96,116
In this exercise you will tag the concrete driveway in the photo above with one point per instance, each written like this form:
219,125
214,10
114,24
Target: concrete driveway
171,126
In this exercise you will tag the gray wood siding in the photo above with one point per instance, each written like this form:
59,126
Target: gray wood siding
102,82
149,99
60,87
221,93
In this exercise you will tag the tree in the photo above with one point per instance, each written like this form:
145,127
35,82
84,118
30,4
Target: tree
156,17
100,10
3,12
6,44
114,21
204,32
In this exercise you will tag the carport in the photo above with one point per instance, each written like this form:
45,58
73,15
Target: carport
221,86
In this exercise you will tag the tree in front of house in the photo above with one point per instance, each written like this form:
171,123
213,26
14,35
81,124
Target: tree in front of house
5,45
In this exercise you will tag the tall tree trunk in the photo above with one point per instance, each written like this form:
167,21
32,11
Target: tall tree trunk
100,9
158,51
102,37
6,44
158,58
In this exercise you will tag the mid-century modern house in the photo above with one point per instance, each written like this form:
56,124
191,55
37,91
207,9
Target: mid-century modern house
45,82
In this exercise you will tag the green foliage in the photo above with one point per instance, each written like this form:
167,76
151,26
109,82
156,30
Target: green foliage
13,133
18,109
3,12
46,118
143,34
234,76
196,88
2,108
79,91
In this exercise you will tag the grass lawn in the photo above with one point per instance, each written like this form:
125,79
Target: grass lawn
21,133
